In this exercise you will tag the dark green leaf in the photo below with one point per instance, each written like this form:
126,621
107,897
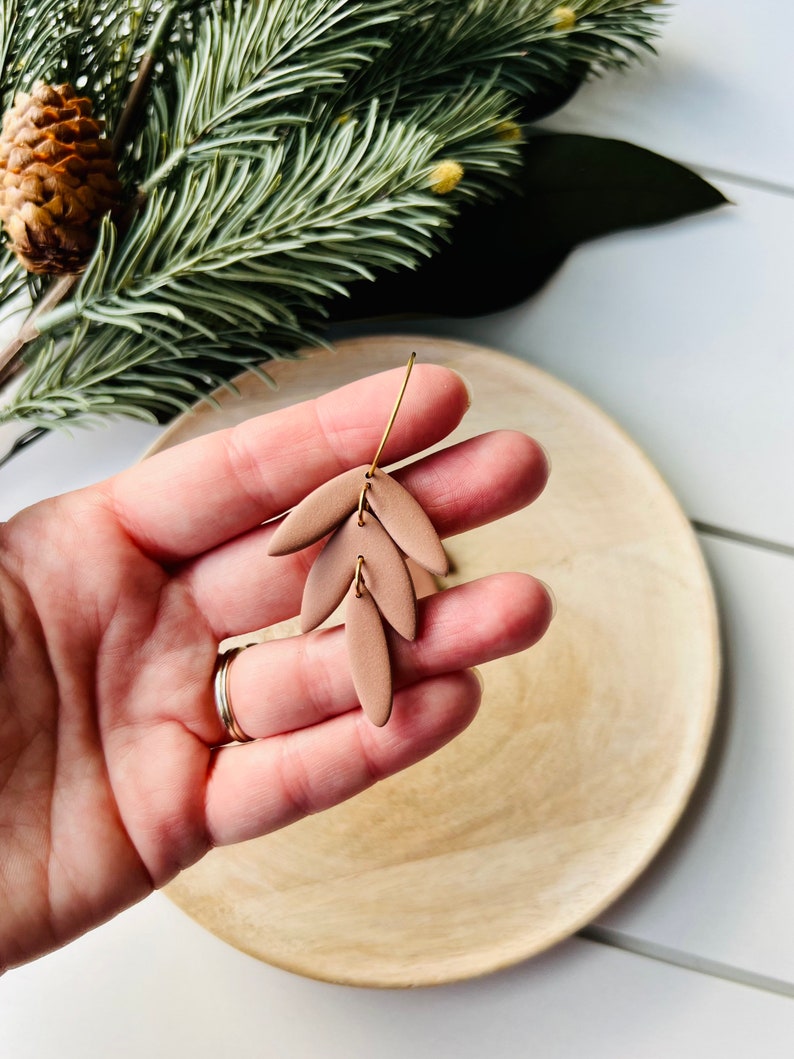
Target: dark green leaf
572,189
553,95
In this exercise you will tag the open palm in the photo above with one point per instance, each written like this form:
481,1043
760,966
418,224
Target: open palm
113,601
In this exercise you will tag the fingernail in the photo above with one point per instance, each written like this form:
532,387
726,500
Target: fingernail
479,676
550,594
546,454
466,384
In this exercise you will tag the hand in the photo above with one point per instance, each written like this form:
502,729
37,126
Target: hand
114,600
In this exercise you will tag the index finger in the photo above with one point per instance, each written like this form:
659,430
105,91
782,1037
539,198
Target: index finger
189,499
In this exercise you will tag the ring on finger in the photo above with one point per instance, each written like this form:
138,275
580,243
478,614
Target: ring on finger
223,702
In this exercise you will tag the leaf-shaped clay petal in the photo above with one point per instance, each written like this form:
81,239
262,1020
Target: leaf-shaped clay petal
406,523
386,576
384,572
328,580
424,582
319,512
368,652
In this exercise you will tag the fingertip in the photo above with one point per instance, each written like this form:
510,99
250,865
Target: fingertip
531,463
434,711
547,455
434,402
466,385
471,694
552,600
539,608
449,379
521,612
442,387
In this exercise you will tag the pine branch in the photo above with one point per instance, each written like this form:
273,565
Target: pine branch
266,219
12,278
176,281
11,355
240,81
93,43
288,149
516,39
8,10
28,52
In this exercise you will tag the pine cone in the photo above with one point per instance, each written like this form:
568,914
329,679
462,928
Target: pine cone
57,179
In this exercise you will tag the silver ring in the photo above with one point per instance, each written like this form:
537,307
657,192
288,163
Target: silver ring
223,704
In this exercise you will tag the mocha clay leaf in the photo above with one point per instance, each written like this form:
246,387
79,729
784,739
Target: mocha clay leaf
329,579
386,575
406,523
319,512
384,571
368,652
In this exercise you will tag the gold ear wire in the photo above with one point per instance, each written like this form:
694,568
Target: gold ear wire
390,424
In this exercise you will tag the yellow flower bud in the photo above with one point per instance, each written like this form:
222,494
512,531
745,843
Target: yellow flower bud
564,18
445,177
508,131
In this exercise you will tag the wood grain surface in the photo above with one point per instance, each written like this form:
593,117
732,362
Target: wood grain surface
586,747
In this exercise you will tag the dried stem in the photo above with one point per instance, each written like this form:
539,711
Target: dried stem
134,104
11,357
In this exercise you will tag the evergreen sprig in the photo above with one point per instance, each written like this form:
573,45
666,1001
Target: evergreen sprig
286,150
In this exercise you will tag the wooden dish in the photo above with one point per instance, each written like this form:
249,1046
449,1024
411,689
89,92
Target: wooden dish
584,753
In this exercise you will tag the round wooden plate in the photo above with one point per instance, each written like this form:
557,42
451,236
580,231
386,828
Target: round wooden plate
586,747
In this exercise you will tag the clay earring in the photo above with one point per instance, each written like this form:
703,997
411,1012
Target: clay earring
376,523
